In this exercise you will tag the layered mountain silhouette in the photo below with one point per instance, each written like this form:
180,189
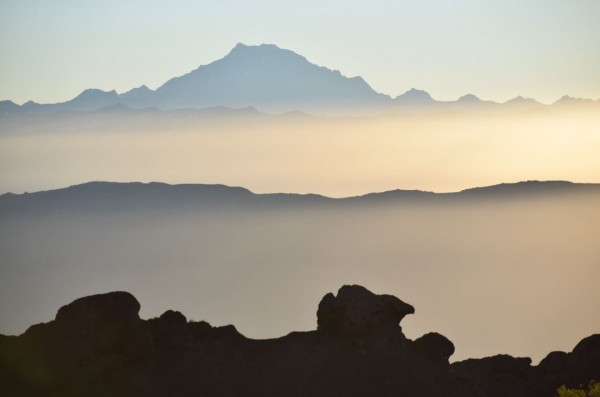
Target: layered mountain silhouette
201,248
272,80
98,346
265,76
135,195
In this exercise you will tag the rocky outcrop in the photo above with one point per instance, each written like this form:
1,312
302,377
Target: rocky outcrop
106,322
586,354
357,311
98,346
573,369
436,346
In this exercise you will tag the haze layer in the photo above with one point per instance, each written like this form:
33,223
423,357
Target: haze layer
438,151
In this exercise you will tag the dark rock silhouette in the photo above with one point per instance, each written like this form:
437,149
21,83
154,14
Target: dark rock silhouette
99,346
436,345
112,319
357,311
112,308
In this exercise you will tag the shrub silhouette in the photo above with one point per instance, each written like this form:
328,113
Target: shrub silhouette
592,391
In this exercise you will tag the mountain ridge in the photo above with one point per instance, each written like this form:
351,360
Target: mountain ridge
273,80
236,194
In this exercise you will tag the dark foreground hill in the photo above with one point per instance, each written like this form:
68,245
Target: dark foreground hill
98,346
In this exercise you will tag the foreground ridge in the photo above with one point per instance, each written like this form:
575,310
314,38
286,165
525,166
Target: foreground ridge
98,345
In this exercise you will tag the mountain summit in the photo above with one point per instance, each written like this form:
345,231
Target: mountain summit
268,78
414,97
265,77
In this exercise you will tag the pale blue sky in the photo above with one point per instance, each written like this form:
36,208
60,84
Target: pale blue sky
51,50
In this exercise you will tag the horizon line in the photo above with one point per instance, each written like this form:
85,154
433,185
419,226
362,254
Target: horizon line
241,44
520,182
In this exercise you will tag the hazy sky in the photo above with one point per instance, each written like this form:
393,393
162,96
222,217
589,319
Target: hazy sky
51,50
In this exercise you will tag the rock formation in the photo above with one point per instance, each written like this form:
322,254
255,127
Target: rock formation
357,311
98,346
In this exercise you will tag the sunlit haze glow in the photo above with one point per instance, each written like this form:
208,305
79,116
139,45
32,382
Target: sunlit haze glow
331,156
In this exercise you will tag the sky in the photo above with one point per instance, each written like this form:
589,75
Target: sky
50,51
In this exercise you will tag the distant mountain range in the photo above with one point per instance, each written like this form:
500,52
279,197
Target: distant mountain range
272,80
135,195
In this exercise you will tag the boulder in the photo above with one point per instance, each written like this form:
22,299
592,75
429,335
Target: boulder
107,322
110,308
554,362
587,351
356,311
173,317
436,346
584,360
